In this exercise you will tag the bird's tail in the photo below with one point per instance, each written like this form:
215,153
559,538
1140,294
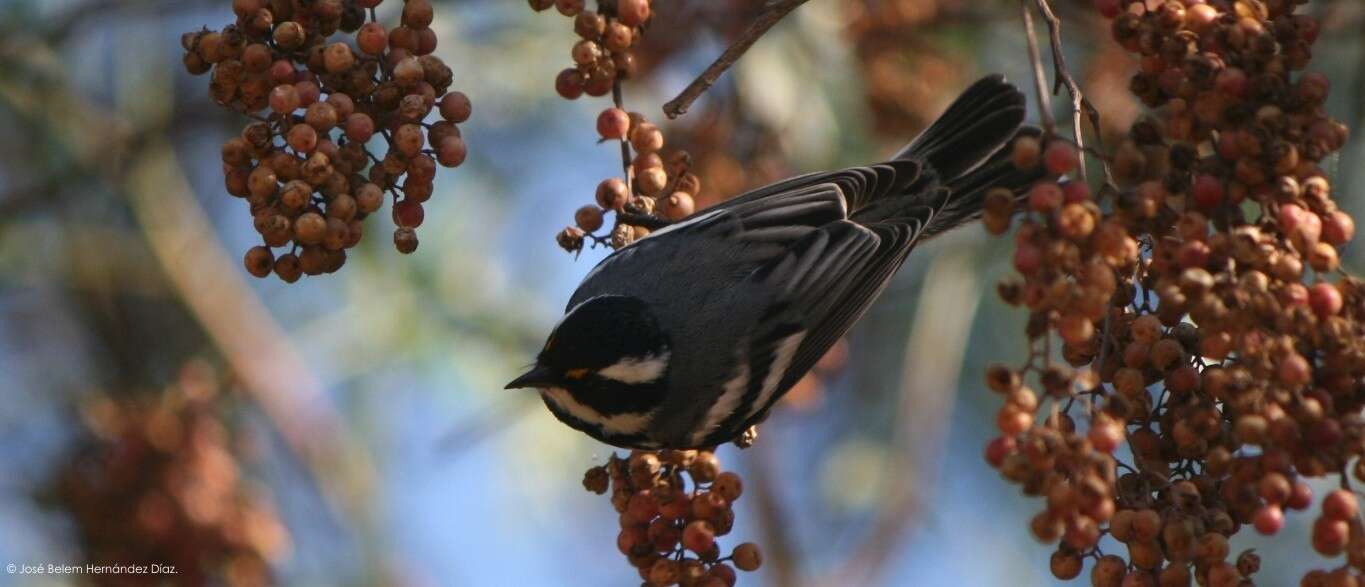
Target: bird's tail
966,151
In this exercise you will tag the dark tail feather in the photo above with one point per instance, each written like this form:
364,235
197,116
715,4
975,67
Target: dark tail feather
967,193
982,119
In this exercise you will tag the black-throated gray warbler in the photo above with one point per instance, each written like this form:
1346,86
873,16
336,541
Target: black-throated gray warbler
687,337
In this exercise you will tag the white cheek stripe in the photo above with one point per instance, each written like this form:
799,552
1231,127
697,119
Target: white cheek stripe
725,404
635,370
782,359
618,424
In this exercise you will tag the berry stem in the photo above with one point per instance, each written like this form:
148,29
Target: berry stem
771,15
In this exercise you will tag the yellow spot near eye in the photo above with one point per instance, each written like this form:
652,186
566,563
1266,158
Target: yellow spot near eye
576,373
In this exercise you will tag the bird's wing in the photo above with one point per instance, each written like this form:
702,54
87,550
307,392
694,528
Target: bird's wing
735,237
823,283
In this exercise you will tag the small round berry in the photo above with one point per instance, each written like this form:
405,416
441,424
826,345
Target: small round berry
451,152
1045,196
1325,299
1338,228
284,99
1060,157
372,39
1268,519
613,124
408,140
359,127
408,214
569,7
455,107
585,52
310,228
1330,536
570,239
287,268
1026,153
569,84
262,183
338,57
417,14
302,138
612,194
368,198
405,240
1341,505
259,261
1294,370
322,116
1208,191
290,35
632,13
646,138
747,557
677,206
408,72
728,485
1300,497
588,218
652,181
698,536
1065,565
618,37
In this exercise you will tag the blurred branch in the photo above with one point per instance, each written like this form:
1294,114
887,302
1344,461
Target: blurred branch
772,13
481,427
207,280
64,24
929,380
772,525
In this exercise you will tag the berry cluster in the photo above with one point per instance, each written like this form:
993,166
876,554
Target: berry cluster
669,532
159,483
305,166
655,189
1204,292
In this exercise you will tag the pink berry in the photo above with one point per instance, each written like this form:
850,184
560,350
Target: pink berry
1268,519
613,123
1208,191
1045,196
408,214
1232,82
1076,192
1325,300
998,449
1027,259
1300,497
1060,157
1338,229
1340,505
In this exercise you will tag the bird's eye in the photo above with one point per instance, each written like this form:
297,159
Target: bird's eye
576,373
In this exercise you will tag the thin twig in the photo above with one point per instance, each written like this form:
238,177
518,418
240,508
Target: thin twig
1079,103
1035,57
772,13
619,101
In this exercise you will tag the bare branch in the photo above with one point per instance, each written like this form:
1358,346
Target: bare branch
1079,103
771,15
1035,57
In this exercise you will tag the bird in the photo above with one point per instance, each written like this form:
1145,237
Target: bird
686,338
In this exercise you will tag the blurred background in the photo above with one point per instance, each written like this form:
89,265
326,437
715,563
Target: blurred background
351,429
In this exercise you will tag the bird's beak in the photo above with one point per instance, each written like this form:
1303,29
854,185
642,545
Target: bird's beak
538,376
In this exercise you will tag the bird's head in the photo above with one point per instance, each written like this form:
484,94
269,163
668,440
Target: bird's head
603,369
